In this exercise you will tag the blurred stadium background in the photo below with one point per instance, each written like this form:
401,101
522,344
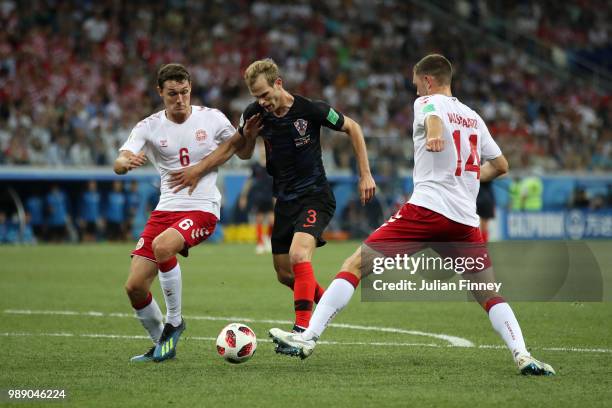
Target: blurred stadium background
76,76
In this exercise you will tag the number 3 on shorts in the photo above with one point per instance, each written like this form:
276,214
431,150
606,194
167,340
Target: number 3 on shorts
185,224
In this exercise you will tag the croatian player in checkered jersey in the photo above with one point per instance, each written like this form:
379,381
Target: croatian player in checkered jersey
290,126
449,139
175,138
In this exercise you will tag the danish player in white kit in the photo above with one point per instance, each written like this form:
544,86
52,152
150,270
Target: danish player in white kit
177,137
449,140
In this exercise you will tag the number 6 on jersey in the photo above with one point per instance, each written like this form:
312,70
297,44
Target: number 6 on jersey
184,156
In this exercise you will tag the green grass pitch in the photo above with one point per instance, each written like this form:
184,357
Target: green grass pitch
76,351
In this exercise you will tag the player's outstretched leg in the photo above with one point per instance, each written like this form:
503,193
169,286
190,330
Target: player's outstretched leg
505,324
165,247
335,298
142,273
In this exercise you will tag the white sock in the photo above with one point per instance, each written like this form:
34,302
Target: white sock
335,298
171,285
152,320
504,322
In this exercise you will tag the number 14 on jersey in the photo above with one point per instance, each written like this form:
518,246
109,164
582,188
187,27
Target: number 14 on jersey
473,161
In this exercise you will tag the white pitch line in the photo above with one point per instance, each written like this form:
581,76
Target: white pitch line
329,343
453,340
200,338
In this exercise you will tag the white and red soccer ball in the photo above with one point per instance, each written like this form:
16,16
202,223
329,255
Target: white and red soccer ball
236,343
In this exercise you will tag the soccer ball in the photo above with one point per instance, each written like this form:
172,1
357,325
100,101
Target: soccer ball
236,343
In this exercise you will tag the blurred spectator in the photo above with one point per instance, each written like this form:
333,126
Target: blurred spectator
514,192
4,228
27,233
360,220
531,189
116,213
83,77
580,198
90,220
257,198
485,208
36,209
57,208
135,207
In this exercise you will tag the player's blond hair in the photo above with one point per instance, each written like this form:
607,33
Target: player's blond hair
437,66
267,67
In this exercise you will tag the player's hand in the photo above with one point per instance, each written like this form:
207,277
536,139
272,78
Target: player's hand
253,125
242,202
136,160
435,144
186,178
367,188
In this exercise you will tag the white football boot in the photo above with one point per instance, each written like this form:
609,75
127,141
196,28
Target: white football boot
292,344
528,365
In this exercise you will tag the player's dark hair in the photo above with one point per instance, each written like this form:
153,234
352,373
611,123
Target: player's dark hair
172,72
437,66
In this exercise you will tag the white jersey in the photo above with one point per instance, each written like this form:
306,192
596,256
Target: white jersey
171,146
447,182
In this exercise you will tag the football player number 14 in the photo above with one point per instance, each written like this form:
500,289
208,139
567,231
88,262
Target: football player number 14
473,161
184,156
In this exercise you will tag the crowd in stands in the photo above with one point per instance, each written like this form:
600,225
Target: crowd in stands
76,76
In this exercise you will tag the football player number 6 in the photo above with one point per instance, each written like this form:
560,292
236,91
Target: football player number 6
184,156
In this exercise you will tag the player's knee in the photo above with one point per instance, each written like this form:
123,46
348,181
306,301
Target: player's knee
135,291
298,255
162,250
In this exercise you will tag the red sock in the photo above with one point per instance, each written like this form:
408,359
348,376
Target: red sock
270,226
168,265
492,302
259,233
485,235
319,291
144,303
303,292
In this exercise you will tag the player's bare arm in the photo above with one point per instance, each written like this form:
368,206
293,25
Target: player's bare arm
367,185
435,134
238,144
128,161
493,168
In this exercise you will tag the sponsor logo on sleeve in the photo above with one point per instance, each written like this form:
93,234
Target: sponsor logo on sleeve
429,108
332,116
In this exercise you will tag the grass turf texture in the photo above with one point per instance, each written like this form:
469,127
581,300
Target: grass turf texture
229,280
